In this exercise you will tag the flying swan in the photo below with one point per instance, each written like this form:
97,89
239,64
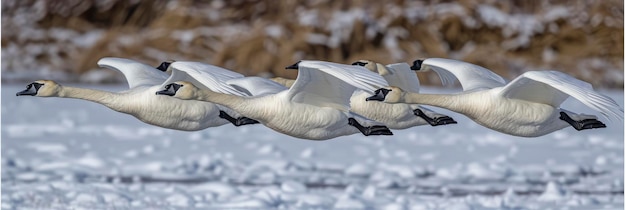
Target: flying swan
527,106
316,107
395,116
140,101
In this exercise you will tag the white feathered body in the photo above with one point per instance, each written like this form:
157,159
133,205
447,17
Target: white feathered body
299,120
506,115
166,111
394,116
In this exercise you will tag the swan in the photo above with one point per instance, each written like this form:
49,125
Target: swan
139,100
395,116
528,106
316,107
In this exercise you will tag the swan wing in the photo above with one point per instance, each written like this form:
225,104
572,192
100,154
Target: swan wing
256,86
204,76
327,84
403,77
472,77
137,74
553,87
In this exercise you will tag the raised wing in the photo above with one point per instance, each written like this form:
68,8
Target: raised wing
204,76
256,86
136,73
328,84
403,77
472,77
553,87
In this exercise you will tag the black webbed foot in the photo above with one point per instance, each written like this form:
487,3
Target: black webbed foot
245,121
237,121
582,124
371,130
443,120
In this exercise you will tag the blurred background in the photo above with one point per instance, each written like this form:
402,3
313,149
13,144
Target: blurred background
63,39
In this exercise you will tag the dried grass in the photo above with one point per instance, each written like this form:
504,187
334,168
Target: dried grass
153,25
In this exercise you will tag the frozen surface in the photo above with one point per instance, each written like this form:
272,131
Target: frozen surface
61,153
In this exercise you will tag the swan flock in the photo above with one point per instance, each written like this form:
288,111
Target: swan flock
328,100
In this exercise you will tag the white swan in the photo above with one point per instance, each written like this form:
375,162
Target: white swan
395,116
316,107
139,100
528,106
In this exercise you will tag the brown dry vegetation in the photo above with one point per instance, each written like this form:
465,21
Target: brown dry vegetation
257,36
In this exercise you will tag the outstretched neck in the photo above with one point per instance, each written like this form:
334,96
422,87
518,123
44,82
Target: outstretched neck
102,97
231,101
451,102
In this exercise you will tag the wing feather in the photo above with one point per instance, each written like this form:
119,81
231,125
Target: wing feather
137,74
472,77
256,86
553,87
204,76
329,84
403,77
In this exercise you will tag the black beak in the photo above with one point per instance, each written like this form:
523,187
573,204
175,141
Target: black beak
417,65
170,90
163,67
294,66
31,90
379,95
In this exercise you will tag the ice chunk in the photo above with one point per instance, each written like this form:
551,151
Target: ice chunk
358,169
347,202
553,192
88,198
221,189
91,161
179,199
307,153
47,147
292,186
244,203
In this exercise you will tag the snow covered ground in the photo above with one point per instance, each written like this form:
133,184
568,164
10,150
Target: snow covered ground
64,153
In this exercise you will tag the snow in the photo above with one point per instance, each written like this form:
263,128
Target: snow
72,154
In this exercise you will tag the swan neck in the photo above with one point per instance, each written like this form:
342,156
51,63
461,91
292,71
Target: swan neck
230,101
98,96
450,102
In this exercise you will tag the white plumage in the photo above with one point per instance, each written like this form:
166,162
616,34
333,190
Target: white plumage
140,99
316,107
528,106
395,116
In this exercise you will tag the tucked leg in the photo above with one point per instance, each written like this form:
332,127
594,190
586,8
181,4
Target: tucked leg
582,124
237,121
371,130
443,120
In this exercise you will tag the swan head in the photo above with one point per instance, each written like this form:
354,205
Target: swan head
387,95
41,88
373,67
165,66
417,65
294,66
182,90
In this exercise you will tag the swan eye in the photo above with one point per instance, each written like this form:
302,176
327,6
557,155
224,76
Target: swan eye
36,85
382,91
175,86
359,63
164,65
